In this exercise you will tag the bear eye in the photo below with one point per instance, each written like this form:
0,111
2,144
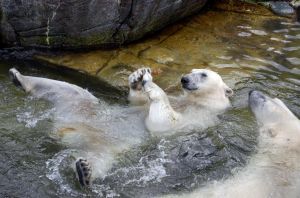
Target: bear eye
203,75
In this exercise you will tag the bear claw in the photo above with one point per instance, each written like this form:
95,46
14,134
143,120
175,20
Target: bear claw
83,170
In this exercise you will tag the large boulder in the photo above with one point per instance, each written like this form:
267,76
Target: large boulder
86,23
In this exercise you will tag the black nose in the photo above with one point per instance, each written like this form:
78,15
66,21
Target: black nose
185,80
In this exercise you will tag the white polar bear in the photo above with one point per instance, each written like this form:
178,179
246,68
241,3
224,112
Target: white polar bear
96,130
275,170
102,131
205,96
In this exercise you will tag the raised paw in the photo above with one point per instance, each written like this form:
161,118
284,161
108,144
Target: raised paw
137,78
84,172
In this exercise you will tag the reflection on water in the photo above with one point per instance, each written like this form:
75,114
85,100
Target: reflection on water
249,53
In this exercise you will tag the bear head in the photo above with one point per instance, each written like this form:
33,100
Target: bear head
206,88
276,121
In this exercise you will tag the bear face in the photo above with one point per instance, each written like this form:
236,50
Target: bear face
203,82
205,88
276,121
269,110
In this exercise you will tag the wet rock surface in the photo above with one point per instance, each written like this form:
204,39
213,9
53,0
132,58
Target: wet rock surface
202,41
281,8
75,24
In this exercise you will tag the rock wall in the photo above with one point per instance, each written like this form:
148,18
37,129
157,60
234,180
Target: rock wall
86,23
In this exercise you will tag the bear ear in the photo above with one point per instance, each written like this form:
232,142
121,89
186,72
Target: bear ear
228,91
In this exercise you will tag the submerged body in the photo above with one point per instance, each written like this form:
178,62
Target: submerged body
275,170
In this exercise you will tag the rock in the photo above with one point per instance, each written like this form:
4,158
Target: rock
247,7
77,24
202,41
281,8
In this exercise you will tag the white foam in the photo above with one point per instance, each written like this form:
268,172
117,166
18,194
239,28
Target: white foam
53,166
30,117
148,169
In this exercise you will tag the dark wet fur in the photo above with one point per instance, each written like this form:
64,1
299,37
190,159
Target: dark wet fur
83,170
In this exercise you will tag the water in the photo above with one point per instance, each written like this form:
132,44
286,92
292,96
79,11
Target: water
35,163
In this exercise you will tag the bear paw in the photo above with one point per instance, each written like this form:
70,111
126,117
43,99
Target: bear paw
137,78
84,172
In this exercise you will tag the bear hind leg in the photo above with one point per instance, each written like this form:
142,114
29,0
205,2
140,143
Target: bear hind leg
14,76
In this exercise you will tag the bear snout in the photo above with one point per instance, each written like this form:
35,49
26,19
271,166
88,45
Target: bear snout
253,94
185,80
256,99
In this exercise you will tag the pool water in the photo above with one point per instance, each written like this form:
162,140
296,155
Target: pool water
36,164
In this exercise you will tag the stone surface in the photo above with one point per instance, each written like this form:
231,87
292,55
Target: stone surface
243,6
77,24
281,8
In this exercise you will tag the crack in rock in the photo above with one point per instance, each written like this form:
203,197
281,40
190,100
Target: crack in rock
48,24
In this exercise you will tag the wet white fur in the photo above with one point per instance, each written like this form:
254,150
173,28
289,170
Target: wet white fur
198,108
275,170
96,130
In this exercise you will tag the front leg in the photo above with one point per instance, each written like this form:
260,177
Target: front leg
137,95
161,116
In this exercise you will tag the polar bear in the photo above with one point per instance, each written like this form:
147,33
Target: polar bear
205,96
92,128
274,171
84,123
